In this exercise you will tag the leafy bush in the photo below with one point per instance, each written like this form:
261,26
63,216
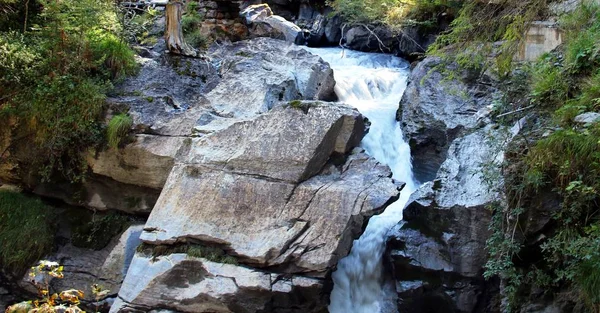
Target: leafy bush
113,53
54,77
191,22
582,27
549,85
196,40
565,162
479,25
26,231
118,127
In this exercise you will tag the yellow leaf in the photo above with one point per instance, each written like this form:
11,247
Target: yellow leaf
21,307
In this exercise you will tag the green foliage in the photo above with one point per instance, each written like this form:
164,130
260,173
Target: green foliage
191,22
196,39
26,231
118,127
394,13
549,84
480,25
582,45
98,232
139,28
565,162
54,77
113,53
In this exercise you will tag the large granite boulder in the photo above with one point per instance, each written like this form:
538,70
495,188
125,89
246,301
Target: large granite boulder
266,24
264,171
281,194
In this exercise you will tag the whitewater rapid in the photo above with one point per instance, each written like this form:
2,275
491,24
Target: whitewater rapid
373,84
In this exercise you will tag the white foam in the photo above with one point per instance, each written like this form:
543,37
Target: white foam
373,84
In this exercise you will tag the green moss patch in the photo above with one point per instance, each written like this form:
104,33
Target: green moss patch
213,254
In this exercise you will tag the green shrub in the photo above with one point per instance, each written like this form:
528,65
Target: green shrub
54,80
26,231
114,54
393,13
564,161
549,85
582,44
118,127
479,26
196,40
190,22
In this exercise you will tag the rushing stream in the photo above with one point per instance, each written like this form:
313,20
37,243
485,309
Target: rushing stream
373,84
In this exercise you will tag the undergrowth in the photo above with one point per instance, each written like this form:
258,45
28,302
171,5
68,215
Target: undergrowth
99,230
26,231
191,22
486,35
56,67
396,14
562,158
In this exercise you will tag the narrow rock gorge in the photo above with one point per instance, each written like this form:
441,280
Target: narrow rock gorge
310,156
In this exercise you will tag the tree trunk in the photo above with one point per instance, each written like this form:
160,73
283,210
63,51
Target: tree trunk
173,32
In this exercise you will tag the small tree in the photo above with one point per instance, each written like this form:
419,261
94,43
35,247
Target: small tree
173,33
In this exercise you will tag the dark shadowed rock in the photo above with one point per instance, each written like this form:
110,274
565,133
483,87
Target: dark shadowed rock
438,251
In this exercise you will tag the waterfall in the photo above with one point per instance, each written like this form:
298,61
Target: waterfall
373,84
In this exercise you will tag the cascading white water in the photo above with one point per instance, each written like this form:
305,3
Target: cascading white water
373,84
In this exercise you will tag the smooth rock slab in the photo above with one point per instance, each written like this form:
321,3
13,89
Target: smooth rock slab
287,144
182,283
146,162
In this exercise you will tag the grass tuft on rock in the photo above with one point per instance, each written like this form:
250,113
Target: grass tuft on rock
213,254
118,127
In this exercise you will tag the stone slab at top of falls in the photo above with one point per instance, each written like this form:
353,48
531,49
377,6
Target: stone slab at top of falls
252,189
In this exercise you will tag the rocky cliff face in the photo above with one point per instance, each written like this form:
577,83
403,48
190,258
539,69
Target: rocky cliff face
438,252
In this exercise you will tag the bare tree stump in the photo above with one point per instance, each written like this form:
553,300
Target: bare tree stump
173,32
